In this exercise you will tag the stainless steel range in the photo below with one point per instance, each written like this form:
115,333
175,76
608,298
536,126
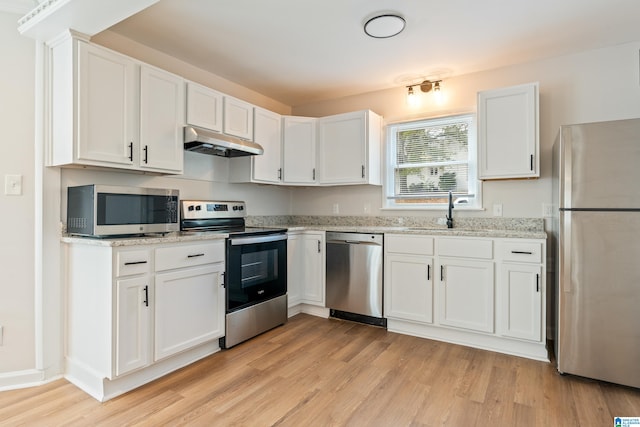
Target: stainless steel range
256,267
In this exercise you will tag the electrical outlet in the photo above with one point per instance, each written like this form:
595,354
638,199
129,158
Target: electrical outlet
336,208
497,209
547,210
367,208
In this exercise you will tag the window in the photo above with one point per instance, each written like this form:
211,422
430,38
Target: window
427,159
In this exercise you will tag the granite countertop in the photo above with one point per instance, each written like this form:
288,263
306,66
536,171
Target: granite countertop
518,228
174,237
512,234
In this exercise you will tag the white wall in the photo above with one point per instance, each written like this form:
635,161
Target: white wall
596,85
17,316
205,177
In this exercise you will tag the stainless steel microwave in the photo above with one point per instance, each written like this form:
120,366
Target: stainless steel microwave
105,210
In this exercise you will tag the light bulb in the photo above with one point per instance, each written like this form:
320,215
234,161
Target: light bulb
412,98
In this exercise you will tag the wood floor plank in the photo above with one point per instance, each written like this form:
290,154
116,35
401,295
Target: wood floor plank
328,372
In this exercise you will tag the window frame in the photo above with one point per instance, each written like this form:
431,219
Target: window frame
390,202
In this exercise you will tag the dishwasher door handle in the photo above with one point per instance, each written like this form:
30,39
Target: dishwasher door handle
352,242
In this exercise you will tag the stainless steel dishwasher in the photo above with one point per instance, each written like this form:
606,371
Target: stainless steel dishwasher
354,277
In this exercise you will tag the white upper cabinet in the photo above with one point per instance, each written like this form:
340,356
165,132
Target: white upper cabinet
508,133
299,150
111,111
161,120
264,168
238,118
349,148
267,131
204,107
106,99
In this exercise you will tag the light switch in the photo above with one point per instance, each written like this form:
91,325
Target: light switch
497,209
13,185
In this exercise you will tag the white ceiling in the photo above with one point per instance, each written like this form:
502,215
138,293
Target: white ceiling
301,51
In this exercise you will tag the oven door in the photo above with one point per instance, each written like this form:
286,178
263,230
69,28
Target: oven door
256,269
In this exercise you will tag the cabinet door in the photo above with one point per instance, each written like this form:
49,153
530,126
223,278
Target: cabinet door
107,102
306,267
313,290
295,270
161,120
189,308
238,118
408,291
342,148
466,294
299,150
520,299
268,133
508,132
133,324
204,107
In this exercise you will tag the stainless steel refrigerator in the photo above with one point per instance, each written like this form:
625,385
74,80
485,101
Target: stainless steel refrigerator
596,182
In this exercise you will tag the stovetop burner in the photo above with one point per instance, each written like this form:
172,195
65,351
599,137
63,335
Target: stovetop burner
210,216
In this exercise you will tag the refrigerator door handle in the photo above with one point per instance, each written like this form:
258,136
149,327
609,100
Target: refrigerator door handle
565,255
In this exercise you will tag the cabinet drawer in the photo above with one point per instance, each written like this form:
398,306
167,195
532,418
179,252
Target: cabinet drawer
189,255
521,251
466,248
129,263
406,244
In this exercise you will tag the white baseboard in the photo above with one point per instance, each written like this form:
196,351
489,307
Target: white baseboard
24,379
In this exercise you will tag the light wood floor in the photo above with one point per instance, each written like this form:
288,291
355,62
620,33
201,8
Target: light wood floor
320,372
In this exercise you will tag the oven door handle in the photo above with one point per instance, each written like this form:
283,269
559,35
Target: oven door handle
238,241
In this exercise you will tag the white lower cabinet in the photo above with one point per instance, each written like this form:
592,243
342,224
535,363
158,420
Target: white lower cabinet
466,294
521,289
125,302
520,299
188,304
133,324
411,296
306,270
408,278
481,292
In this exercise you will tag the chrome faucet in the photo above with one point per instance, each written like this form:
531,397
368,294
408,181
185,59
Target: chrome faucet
450,215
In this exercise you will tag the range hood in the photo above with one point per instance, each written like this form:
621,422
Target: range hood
200,140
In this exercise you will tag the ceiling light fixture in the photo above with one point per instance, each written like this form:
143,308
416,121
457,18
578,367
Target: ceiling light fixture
384,26
425,86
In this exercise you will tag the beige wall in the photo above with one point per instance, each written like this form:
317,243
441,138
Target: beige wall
597,85
17,315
